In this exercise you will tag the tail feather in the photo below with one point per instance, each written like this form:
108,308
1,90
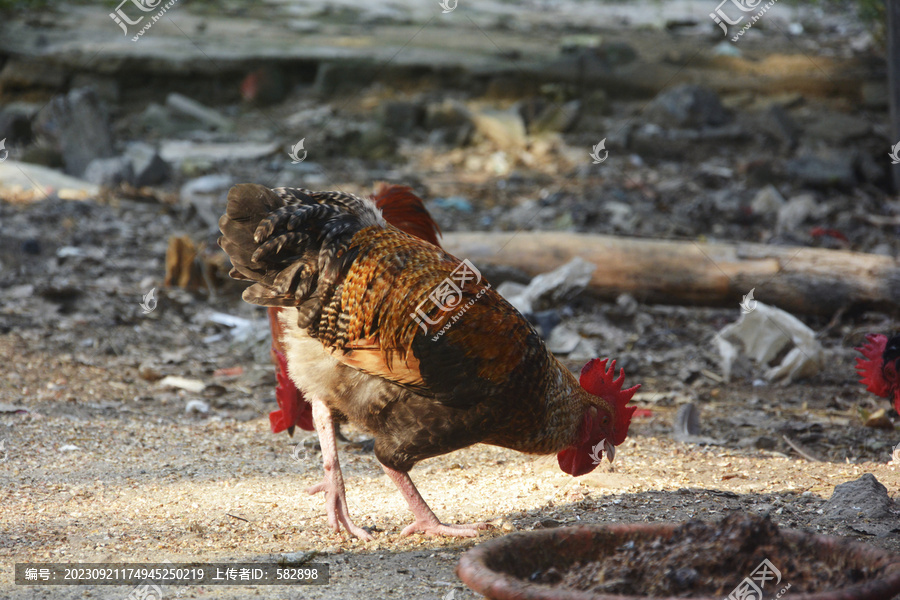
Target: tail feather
247,205
294,245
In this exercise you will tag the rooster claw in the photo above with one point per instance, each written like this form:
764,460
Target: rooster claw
336,509
437,528
315,489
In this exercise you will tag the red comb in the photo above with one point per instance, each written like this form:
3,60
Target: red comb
600,381
870,367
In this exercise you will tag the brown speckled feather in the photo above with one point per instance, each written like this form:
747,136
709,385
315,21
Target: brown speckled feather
462,367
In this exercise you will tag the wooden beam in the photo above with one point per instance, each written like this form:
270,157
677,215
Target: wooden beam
797,279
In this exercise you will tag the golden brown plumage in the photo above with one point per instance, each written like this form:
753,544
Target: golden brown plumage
409,342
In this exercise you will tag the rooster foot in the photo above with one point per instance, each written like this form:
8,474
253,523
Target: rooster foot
436,528
333,482
426,521
336,509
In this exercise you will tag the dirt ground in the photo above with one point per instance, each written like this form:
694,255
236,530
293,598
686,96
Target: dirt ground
101,465
100,462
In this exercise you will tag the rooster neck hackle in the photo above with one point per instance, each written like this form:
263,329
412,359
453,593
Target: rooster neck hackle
564,407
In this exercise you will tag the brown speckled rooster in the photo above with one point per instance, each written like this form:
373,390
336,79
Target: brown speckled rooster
409,343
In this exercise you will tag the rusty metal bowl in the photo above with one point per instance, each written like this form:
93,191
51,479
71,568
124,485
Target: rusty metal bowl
500,568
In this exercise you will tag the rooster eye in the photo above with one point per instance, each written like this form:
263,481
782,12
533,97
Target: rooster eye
606,419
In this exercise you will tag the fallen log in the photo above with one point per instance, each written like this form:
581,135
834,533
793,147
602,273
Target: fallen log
796,279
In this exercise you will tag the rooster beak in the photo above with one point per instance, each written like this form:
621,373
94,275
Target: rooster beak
610,450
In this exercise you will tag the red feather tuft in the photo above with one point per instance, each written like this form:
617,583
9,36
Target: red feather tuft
293,409
600,381
404,210
870,368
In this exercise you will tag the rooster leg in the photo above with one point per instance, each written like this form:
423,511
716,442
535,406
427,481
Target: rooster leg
333,482
426,521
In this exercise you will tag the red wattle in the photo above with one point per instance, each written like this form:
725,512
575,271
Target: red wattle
574,462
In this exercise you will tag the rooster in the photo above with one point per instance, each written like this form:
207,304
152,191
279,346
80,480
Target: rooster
401,208
880,367
407,342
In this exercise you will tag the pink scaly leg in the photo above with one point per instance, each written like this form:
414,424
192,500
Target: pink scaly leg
426,521
333,482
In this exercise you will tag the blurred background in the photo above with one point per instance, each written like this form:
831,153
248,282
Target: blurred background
123,125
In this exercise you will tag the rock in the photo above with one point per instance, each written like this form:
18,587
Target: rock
32,182
177,151
864,498
563,340
457,203
149,372
161,121
196,407
627,305
183,383
586,350
687,105
400,116
506,129
148,166
78,126
794,212
545,321
195,110
621,215
207,195
822,171
450,122
109,171
511,289
557,118
838,128
767,201
778,123
726,49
